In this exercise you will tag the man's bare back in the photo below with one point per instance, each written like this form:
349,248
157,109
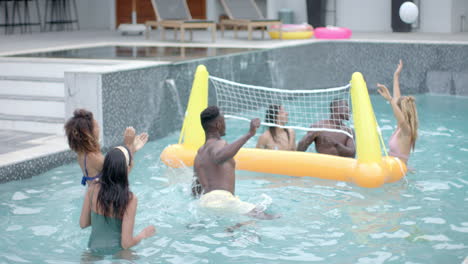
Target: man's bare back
215,179
211,175
214,165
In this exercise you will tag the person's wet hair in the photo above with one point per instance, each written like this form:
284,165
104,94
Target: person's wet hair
114,194
271,116
208,116
79,130
407,106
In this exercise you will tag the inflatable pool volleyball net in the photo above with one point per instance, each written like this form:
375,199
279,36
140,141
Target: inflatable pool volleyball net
372,167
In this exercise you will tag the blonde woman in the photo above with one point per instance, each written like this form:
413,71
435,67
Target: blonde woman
403,139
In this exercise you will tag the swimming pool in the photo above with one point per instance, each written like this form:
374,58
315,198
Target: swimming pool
162,53
421,220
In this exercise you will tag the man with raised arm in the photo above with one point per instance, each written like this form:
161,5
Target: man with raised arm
214,167
328,142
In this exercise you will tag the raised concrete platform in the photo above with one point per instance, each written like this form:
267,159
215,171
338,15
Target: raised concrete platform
26,154
33,113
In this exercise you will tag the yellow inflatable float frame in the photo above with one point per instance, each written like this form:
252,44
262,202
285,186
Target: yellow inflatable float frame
370,169
291,34
291,31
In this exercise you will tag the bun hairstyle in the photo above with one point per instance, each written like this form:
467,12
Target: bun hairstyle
79,130
82,113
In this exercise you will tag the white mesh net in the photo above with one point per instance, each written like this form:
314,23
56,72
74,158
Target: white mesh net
307,109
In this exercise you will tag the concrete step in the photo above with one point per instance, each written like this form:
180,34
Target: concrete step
32,97
37,106
36,70
31,88
32,124
9,87
32,78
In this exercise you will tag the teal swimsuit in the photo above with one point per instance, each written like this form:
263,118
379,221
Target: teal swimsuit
106,233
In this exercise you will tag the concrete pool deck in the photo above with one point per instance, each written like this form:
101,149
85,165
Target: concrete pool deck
21,147
11,44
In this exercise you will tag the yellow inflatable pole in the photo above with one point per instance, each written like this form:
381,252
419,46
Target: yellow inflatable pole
371,170
192,134
367,140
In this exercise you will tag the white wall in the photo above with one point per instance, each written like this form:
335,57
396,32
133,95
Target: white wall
213,10
96,14
364,15
436,16
299,8
459,9
262,5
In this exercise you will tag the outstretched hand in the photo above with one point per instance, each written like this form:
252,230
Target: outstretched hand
254,124
399,68
134,142
148,231
383,91
140,141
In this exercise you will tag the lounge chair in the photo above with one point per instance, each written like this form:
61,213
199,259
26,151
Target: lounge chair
175,14
245,13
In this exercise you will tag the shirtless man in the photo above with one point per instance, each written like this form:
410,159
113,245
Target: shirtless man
332,143
214,167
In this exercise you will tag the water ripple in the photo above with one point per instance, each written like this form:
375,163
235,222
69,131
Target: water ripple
397,234
44,230
17,196
19,210
449,246
206,239
380,257
463,229
188,248
428,186
433,220
441,238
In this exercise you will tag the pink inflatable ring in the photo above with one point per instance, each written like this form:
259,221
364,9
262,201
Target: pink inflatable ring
332,33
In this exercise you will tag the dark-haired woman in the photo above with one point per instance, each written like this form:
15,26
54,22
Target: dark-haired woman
110,207
275,137
82,132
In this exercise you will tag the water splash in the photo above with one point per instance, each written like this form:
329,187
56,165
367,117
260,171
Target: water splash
176,97
265,202
275,73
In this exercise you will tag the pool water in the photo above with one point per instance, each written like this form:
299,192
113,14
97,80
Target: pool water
422,219
167,53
